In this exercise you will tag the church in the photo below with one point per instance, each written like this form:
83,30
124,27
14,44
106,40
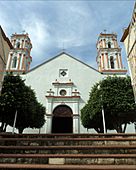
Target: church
62,83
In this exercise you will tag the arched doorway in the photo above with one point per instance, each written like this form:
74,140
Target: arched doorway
62,120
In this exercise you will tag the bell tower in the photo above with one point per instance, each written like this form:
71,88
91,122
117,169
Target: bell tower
109,58
19,58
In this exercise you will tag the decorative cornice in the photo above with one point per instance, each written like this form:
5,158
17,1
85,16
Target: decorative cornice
20,35
75,92
19,49
50,114
106,35
62,97
109,49
15,70
61,84
116,71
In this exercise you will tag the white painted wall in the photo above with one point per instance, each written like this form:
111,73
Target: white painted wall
83,77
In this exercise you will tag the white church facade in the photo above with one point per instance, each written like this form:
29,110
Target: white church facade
62,84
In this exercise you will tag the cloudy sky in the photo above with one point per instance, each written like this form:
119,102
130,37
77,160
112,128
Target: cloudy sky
70,24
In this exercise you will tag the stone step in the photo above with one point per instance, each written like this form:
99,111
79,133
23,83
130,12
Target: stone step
63,141
68,139
67,167
67,155
71,149
116,159
67,135
64,138
68,149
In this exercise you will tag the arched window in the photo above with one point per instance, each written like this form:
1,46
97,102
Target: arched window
18,44
112,61
27,66
109,44
14,63
63,92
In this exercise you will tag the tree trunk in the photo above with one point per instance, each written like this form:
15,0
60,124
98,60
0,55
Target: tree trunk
125,126
119,129
99,130
2,126
135,126
5,127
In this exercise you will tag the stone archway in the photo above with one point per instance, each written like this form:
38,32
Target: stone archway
62,120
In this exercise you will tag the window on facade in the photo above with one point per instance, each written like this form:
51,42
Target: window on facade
63,72
109,44
18,44
14,63
112,61
63,92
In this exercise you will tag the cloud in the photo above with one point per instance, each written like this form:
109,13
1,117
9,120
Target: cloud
39,35
70,24
73,25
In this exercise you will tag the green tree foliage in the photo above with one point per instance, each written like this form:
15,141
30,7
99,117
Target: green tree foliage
115,94
16,96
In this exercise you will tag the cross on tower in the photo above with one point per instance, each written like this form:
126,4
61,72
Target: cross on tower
105,31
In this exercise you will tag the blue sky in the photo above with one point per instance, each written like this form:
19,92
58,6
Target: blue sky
70,24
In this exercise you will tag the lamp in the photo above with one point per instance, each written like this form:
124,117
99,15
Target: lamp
103,117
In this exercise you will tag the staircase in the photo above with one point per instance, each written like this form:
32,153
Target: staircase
68,151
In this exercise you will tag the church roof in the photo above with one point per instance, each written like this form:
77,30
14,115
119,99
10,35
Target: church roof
60,55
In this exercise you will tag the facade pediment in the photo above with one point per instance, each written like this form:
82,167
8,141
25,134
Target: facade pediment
64,56
63,81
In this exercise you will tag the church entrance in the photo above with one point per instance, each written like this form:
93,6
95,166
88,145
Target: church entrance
62,120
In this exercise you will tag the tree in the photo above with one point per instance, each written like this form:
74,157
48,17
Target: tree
12,88
17,97
116,96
